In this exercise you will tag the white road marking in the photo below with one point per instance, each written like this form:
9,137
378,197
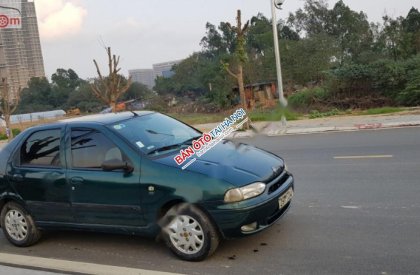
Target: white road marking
350,206
23,271
364,157
72,266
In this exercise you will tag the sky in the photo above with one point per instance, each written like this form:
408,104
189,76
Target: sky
145,32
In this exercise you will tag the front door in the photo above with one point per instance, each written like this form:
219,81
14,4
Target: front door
38,176
101,197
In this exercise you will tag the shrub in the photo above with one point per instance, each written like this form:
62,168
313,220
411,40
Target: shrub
410,96
16,131
397,80
305,98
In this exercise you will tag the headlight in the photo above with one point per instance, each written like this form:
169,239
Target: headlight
246,192
285,167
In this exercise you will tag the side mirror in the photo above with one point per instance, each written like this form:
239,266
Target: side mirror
116,164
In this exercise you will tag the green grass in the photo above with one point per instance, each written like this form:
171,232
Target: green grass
273,115
372,111
256,115
382,110
317,114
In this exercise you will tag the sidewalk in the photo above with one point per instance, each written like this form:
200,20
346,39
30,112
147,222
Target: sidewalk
319,125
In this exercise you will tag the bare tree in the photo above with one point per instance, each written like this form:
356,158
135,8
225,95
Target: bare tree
109,88
8,105
241,57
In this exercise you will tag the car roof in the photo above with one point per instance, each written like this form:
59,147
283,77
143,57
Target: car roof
103,119
106,118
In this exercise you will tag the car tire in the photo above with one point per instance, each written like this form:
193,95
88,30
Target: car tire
189,233
18,226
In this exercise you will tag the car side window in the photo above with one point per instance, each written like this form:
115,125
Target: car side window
42,148
90,148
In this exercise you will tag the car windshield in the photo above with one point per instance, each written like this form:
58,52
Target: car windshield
155,133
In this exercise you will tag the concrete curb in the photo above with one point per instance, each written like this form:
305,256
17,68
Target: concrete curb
357,127
312,130
322,125
71,266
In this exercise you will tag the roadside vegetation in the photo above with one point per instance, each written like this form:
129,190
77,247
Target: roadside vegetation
334,60
383,110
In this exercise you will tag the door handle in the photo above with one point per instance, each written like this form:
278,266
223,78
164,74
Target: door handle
77,180
17,177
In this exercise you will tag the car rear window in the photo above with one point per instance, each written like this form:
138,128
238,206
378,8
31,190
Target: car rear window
42,148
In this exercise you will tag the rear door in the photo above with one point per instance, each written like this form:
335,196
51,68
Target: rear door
38,176
97,196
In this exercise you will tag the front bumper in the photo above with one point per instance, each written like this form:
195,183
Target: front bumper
264,209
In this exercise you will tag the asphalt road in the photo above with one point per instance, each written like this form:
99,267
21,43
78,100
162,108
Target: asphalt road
349,215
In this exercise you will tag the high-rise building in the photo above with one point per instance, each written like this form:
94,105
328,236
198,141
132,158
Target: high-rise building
144,76
20,50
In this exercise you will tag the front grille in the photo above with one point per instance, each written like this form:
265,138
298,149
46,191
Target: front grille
278,214
280,181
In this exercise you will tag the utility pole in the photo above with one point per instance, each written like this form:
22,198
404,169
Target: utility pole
283,102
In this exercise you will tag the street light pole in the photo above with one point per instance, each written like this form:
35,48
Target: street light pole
283,102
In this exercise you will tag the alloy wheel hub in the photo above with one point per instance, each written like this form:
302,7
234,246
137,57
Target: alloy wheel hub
16,225
186,234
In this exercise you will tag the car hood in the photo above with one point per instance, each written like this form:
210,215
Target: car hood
236,163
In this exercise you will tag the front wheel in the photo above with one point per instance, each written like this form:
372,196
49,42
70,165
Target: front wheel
18,226
190,234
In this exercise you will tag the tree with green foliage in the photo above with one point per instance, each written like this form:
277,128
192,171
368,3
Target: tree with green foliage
336,48
411,26
351,31
63,83
83,99
37,97
137,91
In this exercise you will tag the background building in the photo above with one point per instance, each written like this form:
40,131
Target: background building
165,69
148,76
20,50
144,76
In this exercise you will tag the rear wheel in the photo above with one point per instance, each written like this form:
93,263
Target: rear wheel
18,226
189,233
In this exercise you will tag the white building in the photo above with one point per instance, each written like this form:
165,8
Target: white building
144,76
148,76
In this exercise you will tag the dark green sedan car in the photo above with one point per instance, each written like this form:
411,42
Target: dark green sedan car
116,173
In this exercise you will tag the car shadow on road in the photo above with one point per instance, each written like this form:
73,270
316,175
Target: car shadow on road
142,252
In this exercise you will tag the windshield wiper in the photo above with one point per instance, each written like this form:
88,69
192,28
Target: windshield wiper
189,141
173,146
157,133
165,148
